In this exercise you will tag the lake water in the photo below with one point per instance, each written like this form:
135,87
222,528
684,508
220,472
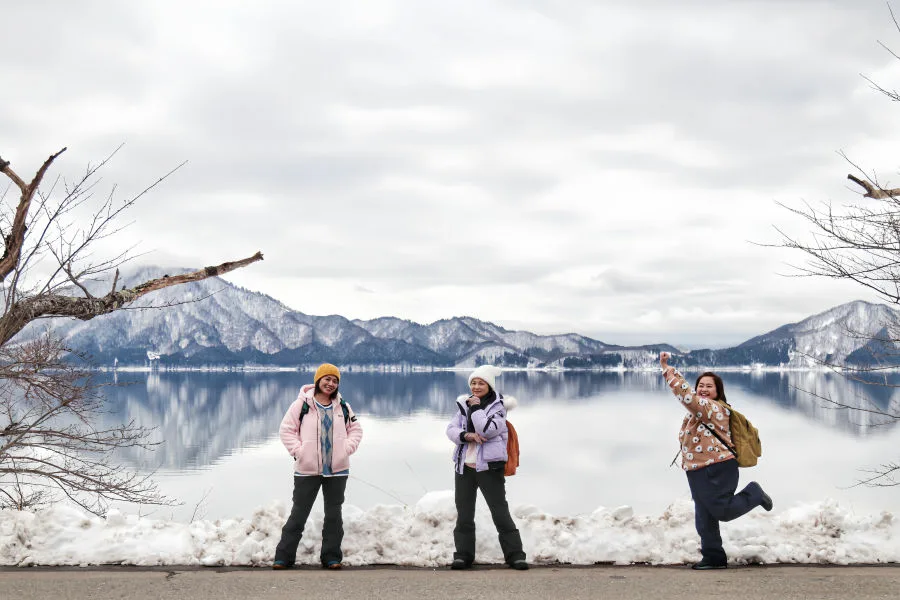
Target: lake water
587,439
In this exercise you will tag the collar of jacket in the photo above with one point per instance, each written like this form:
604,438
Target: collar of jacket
461,400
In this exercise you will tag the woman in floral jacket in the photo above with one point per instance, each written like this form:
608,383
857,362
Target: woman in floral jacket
709,463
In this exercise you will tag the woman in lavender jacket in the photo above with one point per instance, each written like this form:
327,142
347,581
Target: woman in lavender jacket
479,431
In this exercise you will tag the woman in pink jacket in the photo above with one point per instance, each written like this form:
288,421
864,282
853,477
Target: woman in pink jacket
320,432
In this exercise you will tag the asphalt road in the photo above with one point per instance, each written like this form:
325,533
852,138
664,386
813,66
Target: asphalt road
544,583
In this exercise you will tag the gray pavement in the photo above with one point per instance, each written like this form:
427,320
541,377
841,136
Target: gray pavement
544,583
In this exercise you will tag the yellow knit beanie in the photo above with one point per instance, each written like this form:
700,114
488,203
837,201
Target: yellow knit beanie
326,369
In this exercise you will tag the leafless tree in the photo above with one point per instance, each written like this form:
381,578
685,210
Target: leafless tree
51,444
860,242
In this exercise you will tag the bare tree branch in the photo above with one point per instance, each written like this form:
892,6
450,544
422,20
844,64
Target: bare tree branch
13,241
27,310
860,243
50,442
872,191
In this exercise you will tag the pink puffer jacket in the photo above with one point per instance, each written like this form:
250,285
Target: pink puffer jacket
303,440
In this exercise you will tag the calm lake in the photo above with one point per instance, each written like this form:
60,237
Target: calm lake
587,439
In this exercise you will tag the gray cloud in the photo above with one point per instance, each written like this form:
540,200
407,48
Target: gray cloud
574,167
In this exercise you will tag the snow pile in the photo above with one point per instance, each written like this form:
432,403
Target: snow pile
823,533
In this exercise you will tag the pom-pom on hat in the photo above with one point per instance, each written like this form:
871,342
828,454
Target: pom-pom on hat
326,369
488,373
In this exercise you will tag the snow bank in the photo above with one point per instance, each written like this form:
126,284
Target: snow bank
823,533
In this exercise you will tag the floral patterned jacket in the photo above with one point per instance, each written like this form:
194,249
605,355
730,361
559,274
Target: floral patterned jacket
699,446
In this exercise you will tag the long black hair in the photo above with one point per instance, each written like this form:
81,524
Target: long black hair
720,387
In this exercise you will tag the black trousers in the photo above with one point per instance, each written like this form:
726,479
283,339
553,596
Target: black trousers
492,484
305,491
712,489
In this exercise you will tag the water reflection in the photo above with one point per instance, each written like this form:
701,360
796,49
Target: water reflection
203,417
816,395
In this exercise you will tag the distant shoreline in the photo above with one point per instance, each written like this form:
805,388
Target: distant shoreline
426,369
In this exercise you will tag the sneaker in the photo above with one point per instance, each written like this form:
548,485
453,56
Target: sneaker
520,565
459,564
705,565
333,564
280,564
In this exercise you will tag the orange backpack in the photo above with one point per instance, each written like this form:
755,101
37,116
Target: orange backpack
512,450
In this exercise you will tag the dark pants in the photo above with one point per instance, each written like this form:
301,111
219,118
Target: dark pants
712,489
305,491
492,484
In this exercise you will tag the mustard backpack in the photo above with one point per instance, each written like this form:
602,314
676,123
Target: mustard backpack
745,438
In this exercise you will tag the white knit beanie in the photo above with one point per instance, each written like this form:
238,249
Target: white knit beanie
488,373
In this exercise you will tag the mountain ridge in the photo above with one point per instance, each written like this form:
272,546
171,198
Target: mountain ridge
233,326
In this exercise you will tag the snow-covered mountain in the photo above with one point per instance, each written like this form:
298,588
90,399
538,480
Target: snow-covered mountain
213,322
856,333
470,340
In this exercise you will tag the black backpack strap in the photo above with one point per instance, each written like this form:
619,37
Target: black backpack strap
303,410
346,410
713,431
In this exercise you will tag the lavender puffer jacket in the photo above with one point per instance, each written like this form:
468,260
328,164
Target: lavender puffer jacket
489,423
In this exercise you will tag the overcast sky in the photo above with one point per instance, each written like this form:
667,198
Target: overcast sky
581,166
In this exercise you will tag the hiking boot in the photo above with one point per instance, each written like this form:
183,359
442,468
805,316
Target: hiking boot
766,501
278,565
459,564
519,565
333,565
705,565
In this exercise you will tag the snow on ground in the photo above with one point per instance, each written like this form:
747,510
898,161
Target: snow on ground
822,533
